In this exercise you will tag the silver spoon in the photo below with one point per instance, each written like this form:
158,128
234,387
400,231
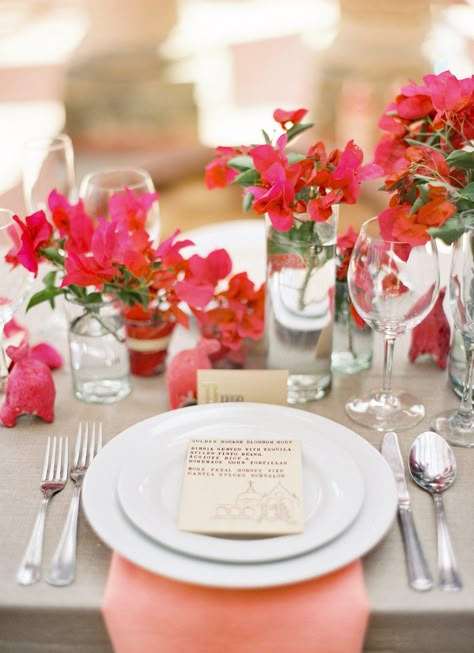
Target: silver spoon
433,467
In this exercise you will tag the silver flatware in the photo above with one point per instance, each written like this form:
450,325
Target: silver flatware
63,564
53,480
433,467
419,575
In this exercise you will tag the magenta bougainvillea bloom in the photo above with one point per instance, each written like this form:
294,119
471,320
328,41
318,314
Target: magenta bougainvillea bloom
283,185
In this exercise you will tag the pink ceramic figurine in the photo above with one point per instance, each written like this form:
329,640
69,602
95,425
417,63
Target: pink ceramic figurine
181,375
30,388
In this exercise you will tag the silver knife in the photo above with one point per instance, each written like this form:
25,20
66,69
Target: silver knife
419,576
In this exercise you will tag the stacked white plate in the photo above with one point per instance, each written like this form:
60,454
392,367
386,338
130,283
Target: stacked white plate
131,497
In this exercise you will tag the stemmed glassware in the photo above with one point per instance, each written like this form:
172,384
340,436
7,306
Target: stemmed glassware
97,187
14,283
48,163
457,426
393,286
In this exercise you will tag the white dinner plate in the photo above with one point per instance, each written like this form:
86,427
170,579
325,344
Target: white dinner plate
106,517
244,241
150,484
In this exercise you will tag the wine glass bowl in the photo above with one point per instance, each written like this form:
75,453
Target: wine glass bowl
457,426
15,282
393,286
47,163
98,186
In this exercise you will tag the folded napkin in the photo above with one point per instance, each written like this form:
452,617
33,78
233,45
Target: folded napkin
146,613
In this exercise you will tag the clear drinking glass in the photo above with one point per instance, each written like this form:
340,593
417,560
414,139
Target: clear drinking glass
48,163
457,425
15,283
393,286
97,187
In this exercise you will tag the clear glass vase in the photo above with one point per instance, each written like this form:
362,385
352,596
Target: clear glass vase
98,352
352,346
300,280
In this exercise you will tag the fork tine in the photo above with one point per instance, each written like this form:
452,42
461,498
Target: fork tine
92,445
57,473
77,448
46,460
99,441
84,444
52,461
65,460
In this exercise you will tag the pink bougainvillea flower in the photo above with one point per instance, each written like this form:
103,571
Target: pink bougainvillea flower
72,222
284,117
131,208
432,336
276,201
217,173
393,285
36,232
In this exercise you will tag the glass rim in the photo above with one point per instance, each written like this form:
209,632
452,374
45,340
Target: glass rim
48,142
142,175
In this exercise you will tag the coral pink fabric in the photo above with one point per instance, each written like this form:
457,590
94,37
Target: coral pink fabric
145,612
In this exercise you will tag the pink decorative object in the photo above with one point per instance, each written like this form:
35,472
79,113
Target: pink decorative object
181,376
30,388
432,336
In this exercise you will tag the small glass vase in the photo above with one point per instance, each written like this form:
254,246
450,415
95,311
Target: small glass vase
352,346
99,356
147,344
300,279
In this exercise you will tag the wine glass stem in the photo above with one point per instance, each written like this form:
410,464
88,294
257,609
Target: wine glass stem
466,399
389,343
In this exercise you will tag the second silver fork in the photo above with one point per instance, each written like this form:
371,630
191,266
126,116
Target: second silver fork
63,564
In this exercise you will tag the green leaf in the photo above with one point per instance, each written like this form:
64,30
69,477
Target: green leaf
450,231
247,178
45,295
53,255
461,159
247,201
468,192
93,298
298,129
49,279
242,162
266,137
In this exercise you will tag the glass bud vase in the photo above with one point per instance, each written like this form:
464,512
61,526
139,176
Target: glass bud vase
300,279
98,352
352,346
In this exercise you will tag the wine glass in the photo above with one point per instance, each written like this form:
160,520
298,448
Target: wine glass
48,163
97,187
14,283
457,425
393,286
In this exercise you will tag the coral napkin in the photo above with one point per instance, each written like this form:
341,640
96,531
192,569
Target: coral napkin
146,613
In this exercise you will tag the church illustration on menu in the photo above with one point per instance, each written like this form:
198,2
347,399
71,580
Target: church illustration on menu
279,504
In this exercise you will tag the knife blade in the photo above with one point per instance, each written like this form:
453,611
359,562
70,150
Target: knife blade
419,575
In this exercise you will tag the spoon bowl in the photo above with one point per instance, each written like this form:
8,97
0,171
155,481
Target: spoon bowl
433,467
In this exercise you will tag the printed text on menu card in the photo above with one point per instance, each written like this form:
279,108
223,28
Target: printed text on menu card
242,487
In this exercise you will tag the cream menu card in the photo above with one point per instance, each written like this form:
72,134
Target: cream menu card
242,487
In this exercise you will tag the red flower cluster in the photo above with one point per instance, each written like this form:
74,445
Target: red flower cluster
283,185
428,159
116,257
238,313
344,245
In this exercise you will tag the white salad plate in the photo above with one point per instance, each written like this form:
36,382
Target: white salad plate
244,241
149,490
104,512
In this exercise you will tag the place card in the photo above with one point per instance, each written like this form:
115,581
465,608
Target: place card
261,386
242,487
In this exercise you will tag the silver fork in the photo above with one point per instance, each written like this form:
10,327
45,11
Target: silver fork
53,479
63,563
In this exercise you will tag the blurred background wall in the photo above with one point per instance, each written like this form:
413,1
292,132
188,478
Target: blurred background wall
160,82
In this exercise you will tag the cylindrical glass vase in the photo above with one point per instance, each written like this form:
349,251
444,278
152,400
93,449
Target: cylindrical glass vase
300,279
98,352
352,346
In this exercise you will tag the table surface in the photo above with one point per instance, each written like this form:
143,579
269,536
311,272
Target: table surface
45,619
